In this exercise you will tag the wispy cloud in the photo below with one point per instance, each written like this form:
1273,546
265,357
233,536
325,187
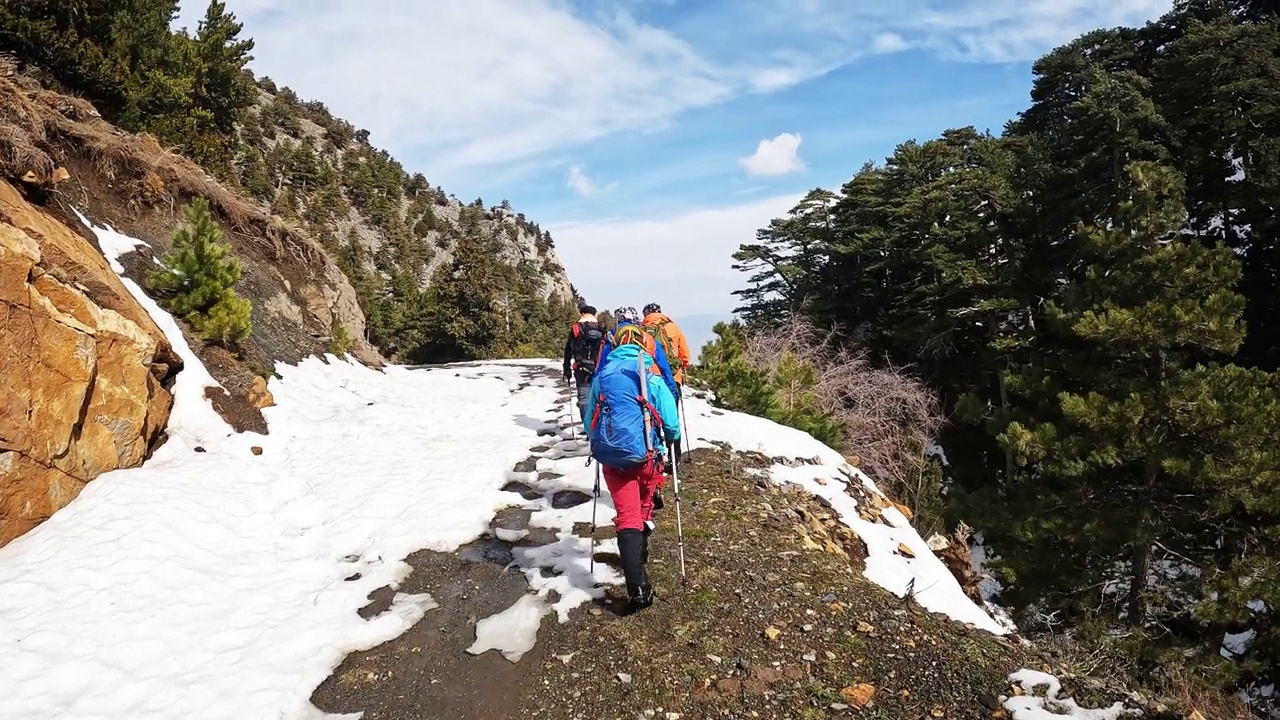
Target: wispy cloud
580,183
776,156
467,84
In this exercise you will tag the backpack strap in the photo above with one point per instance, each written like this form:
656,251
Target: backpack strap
595,416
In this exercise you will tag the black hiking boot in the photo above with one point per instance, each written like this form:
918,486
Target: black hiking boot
633,551
658,504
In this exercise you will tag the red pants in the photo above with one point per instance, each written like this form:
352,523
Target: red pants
632,492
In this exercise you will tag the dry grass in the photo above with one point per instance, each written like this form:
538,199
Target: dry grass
39,127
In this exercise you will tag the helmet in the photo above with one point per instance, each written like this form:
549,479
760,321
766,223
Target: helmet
626,314
652,308
629,335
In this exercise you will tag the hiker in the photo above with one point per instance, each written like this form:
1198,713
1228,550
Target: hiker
668,335
581,351
629,329
631,411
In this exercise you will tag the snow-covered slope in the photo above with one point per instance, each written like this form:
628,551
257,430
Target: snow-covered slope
222,579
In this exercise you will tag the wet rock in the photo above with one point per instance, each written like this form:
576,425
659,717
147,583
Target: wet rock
528,464
490,550
526,492
535,537
511,519
566,499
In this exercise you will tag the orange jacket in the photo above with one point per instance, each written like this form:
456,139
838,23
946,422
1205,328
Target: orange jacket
675,340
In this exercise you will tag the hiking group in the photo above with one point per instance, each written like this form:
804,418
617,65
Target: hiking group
629,390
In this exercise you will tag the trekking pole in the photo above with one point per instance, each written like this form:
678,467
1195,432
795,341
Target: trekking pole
675,486
573,400
594,503
684,423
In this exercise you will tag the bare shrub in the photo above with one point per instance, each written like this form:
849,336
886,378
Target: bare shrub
888,416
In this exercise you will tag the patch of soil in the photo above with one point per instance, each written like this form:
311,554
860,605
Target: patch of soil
426,673
775,621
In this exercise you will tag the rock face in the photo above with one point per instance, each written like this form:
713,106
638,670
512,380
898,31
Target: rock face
82,367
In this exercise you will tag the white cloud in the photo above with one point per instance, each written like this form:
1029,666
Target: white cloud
777,156
681,262
968,30
886,43
580,183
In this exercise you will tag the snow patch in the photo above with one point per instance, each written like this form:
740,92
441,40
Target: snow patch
113,244
1051,707
513,631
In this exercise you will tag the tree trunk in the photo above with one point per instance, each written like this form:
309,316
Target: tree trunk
1141,553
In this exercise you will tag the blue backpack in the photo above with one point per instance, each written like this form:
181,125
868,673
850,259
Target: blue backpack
622,426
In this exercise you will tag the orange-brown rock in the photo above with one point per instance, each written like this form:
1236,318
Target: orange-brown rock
81,367
259,396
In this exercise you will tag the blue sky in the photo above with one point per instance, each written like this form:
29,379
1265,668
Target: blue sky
652,137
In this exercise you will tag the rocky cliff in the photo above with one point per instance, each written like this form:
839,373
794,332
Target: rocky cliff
82,365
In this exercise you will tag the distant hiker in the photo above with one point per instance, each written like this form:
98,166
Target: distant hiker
581,352
629,329
631,411
666,334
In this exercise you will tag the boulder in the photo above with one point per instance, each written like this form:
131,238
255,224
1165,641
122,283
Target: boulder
82,365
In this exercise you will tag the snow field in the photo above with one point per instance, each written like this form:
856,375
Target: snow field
215,583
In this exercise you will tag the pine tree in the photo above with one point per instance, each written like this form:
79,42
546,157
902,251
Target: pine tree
198,277
784,257
1106,479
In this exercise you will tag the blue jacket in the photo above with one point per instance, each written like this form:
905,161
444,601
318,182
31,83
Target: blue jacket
660,396
659,357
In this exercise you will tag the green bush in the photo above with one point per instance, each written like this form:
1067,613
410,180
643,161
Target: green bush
785,391
197,279
340,341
